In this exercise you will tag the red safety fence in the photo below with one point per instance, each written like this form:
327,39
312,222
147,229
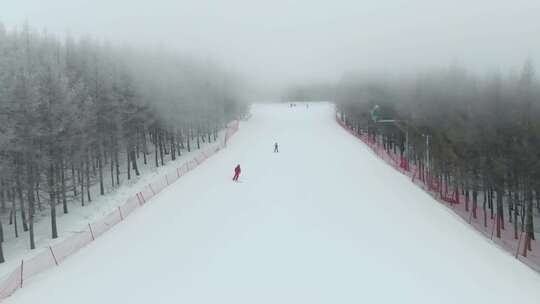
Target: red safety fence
54,255
509,240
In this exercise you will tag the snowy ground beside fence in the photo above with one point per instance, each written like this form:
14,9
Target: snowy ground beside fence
322,221
78,217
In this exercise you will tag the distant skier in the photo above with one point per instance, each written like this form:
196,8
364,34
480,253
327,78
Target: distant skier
237,171
276,148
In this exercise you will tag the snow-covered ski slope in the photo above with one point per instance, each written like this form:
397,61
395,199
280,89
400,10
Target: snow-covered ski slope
322,221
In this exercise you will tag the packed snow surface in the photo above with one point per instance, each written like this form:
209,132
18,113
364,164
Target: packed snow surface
322,221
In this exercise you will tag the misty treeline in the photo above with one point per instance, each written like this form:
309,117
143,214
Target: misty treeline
78,113
478,136
309,92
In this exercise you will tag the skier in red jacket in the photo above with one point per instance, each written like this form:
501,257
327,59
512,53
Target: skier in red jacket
237,171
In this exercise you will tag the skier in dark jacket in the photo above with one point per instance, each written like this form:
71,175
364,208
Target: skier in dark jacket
276,147
237,171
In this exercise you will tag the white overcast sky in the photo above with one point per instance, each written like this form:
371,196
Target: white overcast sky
276,42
